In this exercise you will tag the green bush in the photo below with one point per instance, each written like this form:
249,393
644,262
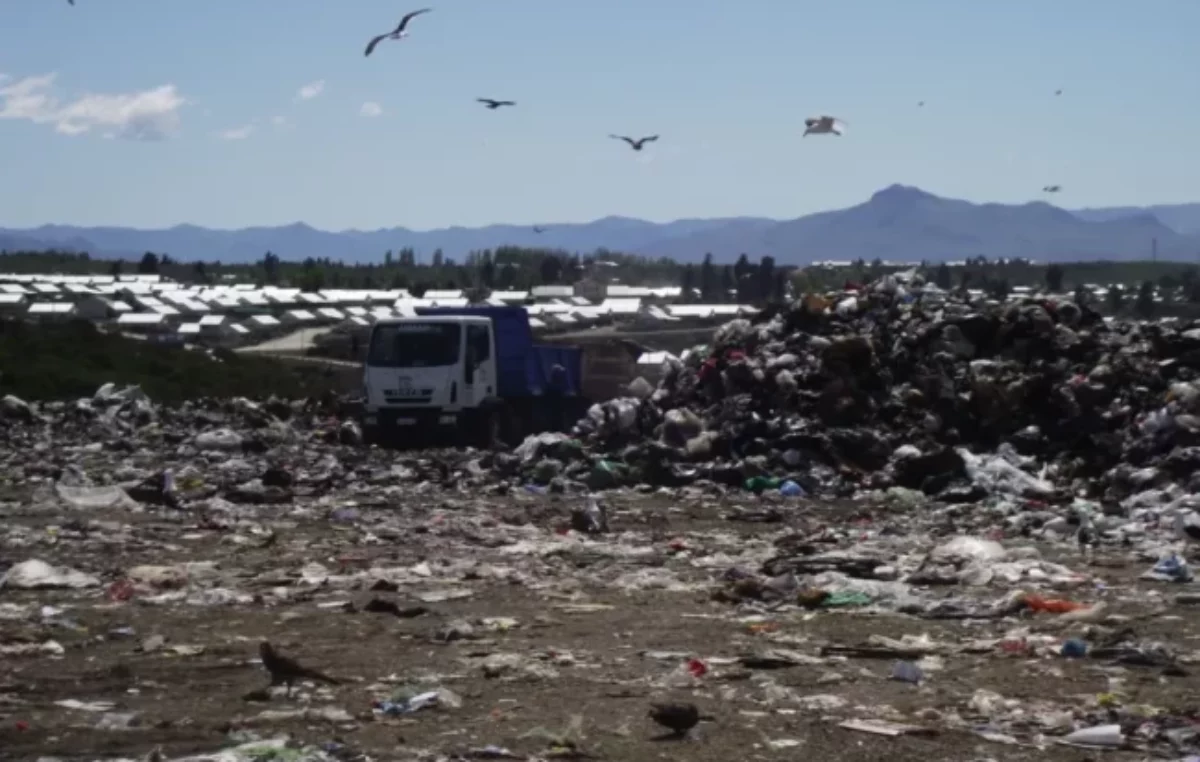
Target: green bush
73,359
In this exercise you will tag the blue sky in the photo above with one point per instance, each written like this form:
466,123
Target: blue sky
135,127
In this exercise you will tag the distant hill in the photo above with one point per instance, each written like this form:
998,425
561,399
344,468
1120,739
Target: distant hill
1182,218
897,223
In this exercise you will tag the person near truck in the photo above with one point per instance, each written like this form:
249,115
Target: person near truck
556,391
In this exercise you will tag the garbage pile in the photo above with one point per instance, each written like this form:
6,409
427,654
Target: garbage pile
901,384
239,580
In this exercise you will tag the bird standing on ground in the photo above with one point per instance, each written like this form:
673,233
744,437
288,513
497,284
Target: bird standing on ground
824,125
493,104
396,34
1187,527
678,718
285,671
635,144
1086,536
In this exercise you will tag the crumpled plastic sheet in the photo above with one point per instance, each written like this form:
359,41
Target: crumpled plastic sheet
36,574
94,498
996,475
272,750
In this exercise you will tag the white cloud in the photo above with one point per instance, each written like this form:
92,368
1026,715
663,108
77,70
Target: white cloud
279,120
236,133
311,90
144,115
371,108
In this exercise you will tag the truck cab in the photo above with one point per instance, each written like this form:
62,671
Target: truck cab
428,371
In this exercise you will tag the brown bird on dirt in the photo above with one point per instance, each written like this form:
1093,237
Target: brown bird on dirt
286,671
678,718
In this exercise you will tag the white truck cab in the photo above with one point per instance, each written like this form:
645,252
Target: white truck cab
428,371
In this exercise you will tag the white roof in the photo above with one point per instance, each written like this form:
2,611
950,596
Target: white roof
141,318
51,308
300,315
189,328
12,298
330,312
212,320
507,296
621,306
262,320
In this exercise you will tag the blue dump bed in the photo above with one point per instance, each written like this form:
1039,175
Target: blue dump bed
522,367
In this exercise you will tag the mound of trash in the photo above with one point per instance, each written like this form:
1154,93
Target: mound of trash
902,384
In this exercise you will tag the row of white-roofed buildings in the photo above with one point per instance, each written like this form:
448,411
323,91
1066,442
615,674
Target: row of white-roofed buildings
242,313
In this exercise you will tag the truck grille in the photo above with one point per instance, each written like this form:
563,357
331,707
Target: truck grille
409,396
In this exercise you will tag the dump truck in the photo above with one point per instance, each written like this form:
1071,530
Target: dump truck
474,375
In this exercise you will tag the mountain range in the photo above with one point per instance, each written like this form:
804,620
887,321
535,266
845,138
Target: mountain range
898,223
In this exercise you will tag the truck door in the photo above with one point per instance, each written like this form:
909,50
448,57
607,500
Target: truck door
479,372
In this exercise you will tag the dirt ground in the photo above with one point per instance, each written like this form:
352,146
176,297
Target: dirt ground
589,640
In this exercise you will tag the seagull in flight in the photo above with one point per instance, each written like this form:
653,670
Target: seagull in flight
396,34
1052,189
1058,92
493,105
539,229
824,125
635,144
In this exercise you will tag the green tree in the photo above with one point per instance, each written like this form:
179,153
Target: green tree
942,277
687,284
729,283
1116,298
270,268
148,264
1054,279
1144,304
709,285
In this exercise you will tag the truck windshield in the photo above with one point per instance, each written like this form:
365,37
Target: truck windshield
414,345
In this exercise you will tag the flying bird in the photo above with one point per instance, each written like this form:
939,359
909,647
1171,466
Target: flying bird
493,105
286,671
539,229
1058,92
635,144
1052,189
824,125
396,34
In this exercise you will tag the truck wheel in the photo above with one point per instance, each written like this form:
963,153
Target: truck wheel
371,435
479,428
